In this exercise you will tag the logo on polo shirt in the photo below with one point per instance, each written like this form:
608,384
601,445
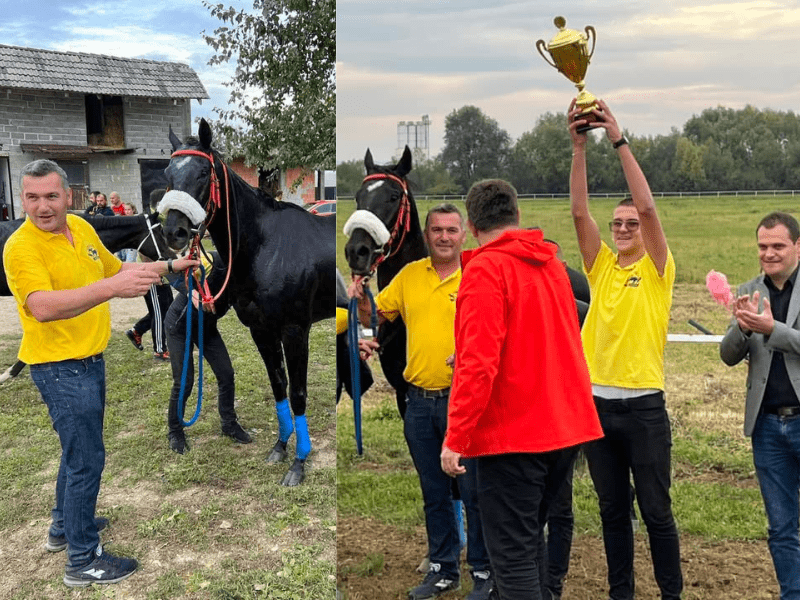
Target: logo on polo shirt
633,281
92,252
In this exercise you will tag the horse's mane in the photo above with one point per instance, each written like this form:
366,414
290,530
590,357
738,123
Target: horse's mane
108,222
236,181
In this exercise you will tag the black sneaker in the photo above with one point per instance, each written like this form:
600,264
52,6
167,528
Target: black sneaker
135,339
482,585
236,433
105,568
177,442
433,585
59,543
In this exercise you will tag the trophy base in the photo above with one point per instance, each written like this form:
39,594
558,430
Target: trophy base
589,117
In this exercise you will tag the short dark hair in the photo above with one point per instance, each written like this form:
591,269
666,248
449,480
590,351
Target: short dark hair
492,203
446,209
626,202
43,168
776,218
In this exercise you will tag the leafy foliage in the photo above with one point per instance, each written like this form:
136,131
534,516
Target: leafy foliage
283,95
475,147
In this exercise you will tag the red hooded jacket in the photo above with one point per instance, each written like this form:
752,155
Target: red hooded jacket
521,383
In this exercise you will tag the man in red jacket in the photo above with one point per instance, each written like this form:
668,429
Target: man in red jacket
521,399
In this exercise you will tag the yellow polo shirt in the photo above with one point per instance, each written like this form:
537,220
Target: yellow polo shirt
341,320
427,305
36,260
626,328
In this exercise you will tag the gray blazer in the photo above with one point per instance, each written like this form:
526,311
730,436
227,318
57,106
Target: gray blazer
785,338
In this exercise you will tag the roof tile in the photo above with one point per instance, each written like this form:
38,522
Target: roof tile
30,68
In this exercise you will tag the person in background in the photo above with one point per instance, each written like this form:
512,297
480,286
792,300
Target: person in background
130,254
99,207
116,203
765,331
424,294
214,351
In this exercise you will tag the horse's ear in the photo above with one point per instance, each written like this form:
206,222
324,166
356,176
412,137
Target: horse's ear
369,164
404,166
174,140
155,198
205,134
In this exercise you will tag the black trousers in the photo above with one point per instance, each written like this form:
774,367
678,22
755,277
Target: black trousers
158,301
515,492
637,442
214,351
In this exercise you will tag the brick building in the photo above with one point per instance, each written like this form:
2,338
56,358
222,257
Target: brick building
104,119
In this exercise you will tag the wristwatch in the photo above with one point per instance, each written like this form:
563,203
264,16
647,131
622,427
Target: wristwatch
620,142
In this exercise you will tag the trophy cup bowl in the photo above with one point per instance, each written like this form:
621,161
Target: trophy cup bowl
570,52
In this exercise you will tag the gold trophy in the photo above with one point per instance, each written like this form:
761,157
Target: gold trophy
571,55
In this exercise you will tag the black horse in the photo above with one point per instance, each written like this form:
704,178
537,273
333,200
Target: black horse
386,194
282,270
142,232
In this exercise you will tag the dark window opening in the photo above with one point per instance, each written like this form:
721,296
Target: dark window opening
104,122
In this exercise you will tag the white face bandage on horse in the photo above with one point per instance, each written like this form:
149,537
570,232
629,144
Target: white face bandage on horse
369,222
178,200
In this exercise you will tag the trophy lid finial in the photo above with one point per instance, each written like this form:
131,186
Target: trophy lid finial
560,22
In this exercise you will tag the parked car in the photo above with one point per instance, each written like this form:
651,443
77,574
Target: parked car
322,207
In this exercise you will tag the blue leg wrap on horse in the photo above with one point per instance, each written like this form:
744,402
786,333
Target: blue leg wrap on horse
458,509
285,426
303,439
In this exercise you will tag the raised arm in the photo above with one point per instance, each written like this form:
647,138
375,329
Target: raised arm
585,226
655,242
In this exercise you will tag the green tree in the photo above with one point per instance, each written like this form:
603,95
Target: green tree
283,95
542,157
474,146
349,175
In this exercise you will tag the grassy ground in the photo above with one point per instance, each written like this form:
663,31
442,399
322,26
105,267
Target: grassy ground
716,499
211,524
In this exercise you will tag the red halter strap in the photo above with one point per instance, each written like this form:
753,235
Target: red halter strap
214,202
402,224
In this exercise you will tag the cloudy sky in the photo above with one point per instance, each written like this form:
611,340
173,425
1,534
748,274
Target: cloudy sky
656,63
151,29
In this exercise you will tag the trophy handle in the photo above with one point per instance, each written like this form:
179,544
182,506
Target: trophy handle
539,45
591,33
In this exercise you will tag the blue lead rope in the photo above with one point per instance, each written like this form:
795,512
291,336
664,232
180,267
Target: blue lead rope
188,352
355,364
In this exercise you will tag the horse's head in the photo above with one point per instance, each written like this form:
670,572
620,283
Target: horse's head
382,204
190,187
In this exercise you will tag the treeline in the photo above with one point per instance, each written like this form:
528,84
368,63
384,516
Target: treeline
722,149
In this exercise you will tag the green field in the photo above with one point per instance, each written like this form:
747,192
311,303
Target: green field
716,499
213,523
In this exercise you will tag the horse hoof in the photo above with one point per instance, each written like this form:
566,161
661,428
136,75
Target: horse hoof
277,454
295,475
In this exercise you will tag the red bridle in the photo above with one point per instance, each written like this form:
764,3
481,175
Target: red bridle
402,224
214,202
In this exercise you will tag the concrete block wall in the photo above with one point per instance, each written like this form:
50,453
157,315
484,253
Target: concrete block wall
28,116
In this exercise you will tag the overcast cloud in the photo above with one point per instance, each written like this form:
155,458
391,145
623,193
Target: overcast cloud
656,64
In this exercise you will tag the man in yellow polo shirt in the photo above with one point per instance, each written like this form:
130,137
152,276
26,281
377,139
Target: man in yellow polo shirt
624,335
62,277
424,294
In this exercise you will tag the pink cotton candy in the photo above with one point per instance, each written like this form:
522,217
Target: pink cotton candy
717,284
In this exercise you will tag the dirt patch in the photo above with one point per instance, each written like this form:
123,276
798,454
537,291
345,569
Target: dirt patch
378,562
124,313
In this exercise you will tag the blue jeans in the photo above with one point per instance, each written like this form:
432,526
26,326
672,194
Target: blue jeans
515,492
425,424
776,454
75,394
637,441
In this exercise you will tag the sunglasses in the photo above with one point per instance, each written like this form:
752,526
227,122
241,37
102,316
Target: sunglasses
630,224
